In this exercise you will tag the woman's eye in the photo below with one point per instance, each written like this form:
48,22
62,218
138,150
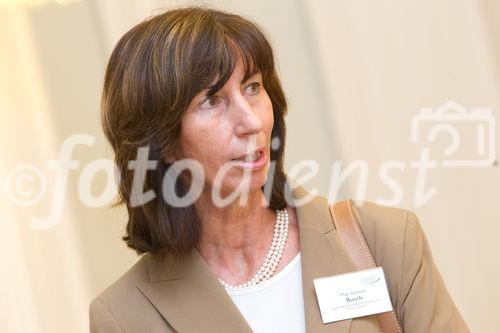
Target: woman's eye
210,102
253,88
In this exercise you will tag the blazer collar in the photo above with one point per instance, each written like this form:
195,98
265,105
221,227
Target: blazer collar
191,299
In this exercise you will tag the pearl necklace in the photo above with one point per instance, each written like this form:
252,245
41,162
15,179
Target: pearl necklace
273,255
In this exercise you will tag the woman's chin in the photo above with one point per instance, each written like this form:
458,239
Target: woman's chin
250,184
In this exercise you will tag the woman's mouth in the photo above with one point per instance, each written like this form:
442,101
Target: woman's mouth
254,160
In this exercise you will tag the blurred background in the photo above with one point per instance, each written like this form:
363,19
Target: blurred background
377,90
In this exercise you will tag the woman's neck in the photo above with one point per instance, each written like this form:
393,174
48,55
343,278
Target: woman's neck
236,237
236,225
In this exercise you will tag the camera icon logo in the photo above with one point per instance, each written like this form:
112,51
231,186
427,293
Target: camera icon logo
476,125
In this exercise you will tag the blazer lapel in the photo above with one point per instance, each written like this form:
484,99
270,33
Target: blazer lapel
189,296
322,255
191,299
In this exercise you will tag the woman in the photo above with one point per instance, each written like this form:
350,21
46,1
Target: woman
194,111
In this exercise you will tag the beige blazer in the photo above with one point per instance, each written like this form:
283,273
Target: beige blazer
181,294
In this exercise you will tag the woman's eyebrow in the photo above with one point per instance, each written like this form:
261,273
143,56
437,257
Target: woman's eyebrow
211,90
254,72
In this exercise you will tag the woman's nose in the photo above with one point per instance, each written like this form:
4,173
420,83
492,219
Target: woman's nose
247,118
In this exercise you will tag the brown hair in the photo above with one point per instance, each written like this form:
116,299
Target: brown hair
153,73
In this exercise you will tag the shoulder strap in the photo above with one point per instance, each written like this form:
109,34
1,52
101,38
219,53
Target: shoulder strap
358,250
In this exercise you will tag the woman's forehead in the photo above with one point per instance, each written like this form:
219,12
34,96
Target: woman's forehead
243,70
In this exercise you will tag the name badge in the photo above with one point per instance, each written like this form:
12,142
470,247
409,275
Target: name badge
352,295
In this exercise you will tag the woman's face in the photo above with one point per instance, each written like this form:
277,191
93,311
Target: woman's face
231,128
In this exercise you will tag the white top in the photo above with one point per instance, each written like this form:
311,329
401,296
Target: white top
274,305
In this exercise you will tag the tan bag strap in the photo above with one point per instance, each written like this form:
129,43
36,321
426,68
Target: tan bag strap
358,250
